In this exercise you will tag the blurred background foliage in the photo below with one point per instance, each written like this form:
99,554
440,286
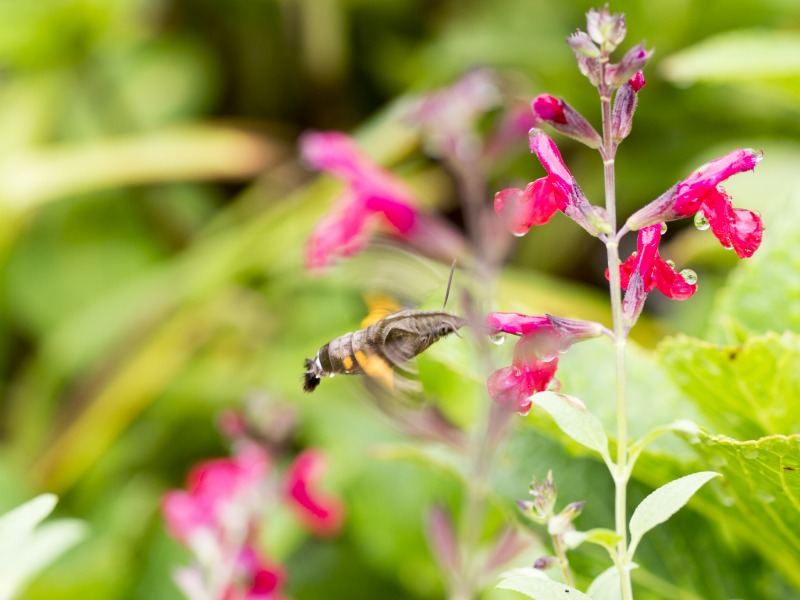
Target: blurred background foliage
153,212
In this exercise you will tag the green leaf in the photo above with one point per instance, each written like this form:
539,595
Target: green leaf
606,585
763,291
665,502
762,493
600,536
741,390
541,588
579,424
736,56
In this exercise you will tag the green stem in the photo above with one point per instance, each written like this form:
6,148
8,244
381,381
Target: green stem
563,561
619,474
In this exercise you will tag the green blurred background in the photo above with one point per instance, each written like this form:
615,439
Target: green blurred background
152,216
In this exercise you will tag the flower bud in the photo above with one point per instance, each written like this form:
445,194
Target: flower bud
564,119
582,45
625,103
606,29
634,60
544,497
544,562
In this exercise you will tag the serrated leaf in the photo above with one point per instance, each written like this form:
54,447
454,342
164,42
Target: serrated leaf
664,502
541,589
579,424
736,56
742,390
761,499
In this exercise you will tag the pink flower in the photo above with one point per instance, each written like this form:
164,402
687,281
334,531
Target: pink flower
321,514
735,228
637,81
521,209
257,578
654,271
371,192
211,487
535,360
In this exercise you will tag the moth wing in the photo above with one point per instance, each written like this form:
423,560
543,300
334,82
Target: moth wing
380,306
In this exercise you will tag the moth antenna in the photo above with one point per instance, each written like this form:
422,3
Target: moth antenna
449,282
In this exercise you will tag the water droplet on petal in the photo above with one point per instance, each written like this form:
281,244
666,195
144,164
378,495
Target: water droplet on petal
689,276
497,338
701,222
634,254
663,228
554,385
727,247
671,264
519,234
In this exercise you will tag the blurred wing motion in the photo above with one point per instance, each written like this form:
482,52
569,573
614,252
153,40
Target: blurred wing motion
384,350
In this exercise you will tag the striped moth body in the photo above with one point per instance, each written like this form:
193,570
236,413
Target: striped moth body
381,350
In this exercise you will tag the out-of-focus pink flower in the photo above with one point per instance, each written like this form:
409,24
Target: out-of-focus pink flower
322,514
211,487
735,228
449,116
371,192
521,209
654,271
258,578
535,360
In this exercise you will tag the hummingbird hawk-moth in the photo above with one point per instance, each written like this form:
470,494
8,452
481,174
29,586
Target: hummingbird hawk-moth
383,349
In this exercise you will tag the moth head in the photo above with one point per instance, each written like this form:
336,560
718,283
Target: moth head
311,376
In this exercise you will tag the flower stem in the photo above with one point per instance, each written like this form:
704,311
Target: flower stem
563,561
619,473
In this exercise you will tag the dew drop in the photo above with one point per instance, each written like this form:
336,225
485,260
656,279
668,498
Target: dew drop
671,264
727,247
701,222
663,228
689,276
554,386
520,234
497,338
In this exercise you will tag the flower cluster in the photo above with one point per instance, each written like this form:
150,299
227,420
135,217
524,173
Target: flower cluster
218,518
533,367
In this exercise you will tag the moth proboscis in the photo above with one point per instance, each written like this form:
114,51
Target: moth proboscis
383,349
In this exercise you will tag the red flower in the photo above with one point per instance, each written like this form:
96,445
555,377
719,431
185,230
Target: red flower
521,209
654,271
371,191
212,486
535,360
321,514
735,228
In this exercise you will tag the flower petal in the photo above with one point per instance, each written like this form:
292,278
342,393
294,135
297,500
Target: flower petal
321,514
517,323
547,152
693,190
